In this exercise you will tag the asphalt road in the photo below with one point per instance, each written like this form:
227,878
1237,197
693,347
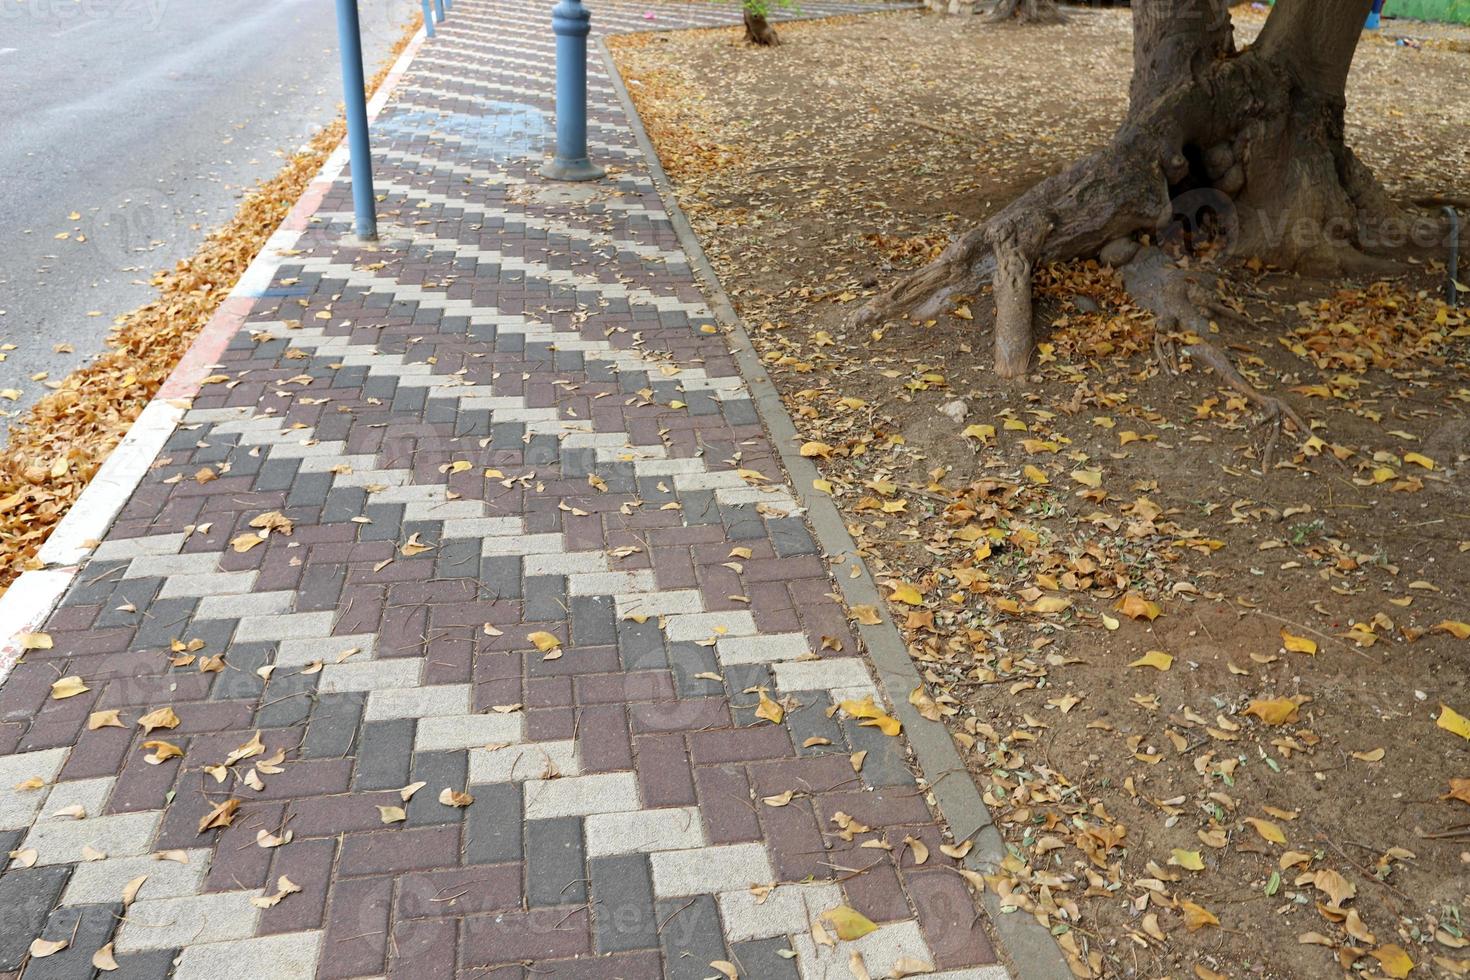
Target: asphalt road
147,120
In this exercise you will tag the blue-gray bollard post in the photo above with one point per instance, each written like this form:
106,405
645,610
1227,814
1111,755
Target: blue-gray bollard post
439,11
448,4
428,18
354,99
572,23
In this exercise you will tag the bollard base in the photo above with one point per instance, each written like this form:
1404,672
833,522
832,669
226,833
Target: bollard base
559,169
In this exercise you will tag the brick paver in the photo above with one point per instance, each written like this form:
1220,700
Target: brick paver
526,379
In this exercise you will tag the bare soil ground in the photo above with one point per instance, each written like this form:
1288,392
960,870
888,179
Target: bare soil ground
1214,710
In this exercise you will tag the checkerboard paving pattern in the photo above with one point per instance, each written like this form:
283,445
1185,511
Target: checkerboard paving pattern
554,338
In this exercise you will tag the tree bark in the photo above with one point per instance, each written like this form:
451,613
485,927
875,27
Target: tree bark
1222,151
758,31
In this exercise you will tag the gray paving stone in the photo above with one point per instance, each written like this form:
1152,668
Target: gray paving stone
343,504
593,621
884,764
741,412
96,581
743,677
239,680
622,903
545,600
762,958
700,507
500,576
383,755
742,523
789,536
811,721
492,830
136,592
309,490
686,660
27,896
641,645
287,699
152,964
440,770
691,937
387,522
276,475
457,558
332,729
556,867
86,928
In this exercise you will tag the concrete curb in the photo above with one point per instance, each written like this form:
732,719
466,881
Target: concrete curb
1025,943
28,602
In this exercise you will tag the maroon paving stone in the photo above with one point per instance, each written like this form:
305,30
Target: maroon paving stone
484,888
539,934
399,850
665,777
308,863
238,862
740,744
602,738
947,915
726,804
356,940
422,948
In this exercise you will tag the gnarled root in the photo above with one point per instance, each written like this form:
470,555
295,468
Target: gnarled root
964,264
1178,301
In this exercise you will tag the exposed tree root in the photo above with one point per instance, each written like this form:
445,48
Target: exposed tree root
1181,304
1226,152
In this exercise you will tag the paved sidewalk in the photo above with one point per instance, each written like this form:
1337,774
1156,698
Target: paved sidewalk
528,541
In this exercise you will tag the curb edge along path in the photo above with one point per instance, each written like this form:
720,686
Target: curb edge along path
1024,941
31,600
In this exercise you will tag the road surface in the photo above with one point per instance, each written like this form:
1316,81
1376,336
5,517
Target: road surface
147,120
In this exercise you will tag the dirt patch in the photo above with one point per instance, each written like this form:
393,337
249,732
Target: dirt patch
1213,816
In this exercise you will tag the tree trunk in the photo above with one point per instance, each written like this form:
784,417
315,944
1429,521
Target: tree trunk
1027,11
1223,152
757,31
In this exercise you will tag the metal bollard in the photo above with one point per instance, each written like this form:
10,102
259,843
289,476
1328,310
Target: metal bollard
448,4
439,11
428,19
572,23
354,99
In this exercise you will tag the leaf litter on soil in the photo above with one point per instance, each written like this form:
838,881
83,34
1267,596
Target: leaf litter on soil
1213,711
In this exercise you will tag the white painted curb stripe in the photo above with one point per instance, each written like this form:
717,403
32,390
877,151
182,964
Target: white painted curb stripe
25,606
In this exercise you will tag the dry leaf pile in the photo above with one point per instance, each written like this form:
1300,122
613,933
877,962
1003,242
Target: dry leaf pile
1220,715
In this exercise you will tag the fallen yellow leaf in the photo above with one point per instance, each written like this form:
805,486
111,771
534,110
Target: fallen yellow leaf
1157,659
1452,721
1268,830
1135,606
1276,711
1196,917
68,687
849,923
1298,644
